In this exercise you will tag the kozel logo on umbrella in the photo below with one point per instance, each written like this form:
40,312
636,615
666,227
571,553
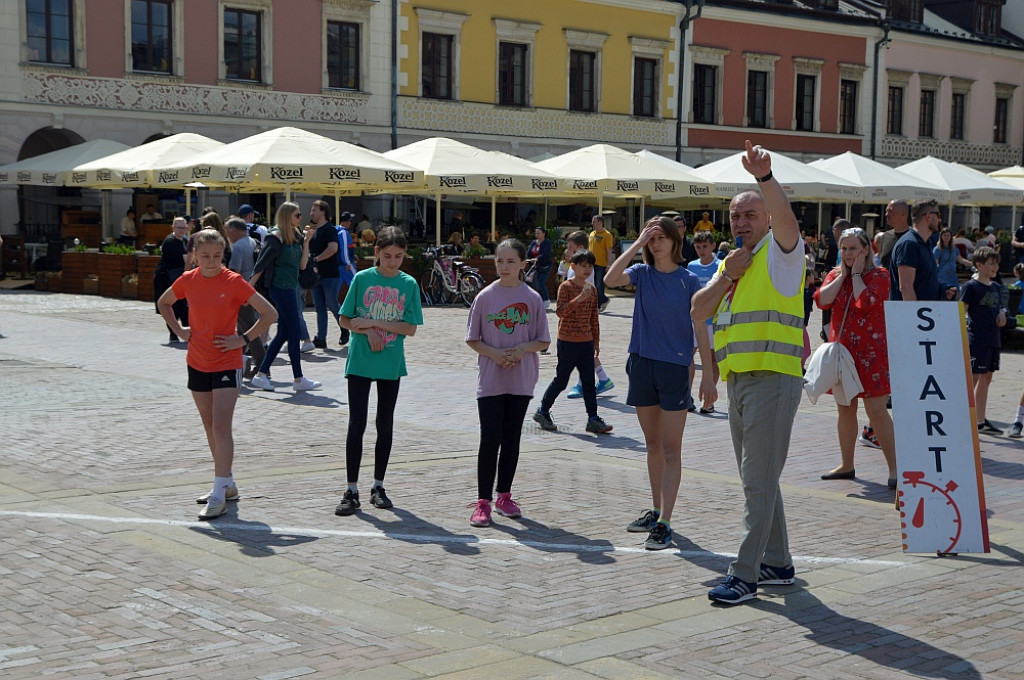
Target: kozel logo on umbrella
696,190
4,177
584,184
201,172
129,176
397,177
344,173
627,186
500,182
283,173
544,184
240,173
104,175
24,176
49,178
665,187
451,181
78,177
168,177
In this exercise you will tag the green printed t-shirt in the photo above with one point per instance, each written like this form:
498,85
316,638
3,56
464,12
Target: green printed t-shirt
373,296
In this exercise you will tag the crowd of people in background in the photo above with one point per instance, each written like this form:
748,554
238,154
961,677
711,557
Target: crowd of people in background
224,285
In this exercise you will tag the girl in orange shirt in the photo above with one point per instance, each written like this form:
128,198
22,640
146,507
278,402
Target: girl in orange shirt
214,357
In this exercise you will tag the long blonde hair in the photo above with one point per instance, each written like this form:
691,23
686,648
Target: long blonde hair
283,222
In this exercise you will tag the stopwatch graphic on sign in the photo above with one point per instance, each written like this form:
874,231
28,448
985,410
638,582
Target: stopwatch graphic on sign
925,504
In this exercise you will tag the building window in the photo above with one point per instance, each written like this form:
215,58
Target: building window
907,10
757,99
805,88
988,17
50,34
705,83
894,123
512,74
848,107
956,119
243,58
1002,122
343,55
926,121
437,65
582,80
152,44
645,87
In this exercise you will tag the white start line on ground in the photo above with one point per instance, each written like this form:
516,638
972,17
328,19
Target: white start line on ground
941,493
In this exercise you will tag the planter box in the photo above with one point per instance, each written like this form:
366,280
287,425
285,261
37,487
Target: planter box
91,285
146,267
111,271
75,267
54,282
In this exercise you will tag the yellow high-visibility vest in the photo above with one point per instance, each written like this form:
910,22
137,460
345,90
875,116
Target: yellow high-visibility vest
761,329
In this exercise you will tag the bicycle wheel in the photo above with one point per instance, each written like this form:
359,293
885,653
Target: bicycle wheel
470,285
426,287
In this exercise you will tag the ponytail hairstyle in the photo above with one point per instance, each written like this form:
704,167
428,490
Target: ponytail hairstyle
388,235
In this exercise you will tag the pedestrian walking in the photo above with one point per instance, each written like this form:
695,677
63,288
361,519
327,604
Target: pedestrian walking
381,309
507,327
214,358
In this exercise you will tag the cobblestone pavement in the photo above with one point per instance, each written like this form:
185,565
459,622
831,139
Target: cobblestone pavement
105,573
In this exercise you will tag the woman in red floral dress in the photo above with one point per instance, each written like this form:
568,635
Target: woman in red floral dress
860,327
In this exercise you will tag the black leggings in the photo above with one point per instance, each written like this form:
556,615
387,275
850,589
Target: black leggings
359,406
501,427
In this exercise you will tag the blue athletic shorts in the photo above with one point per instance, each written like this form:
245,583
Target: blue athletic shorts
658,383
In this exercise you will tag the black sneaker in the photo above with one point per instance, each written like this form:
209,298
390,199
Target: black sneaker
349,503
776,576
379,499
643,523
319,344
545,422
1015,429
659,538
343,338
986,427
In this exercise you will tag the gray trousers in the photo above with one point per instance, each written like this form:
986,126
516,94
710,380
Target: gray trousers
256,349
762,406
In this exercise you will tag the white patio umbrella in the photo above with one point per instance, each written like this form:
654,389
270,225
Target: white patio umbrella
881,183
451,167
603,169
966,186
1014,176
140,166
54,168
799,181
289,159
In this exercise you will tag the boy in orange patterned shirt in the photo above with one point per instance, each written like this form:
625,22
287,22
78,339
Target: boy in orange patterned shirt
579,335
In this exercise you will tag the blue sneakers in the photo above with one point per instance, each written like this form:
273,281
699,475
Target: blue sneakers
603,386
576,392
733,591
776,576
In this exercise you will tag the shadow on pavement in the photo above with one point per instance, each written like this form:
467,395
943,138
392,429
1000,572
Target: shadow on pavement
1003,469
254,539
874,643
532,534
410,528
1016,557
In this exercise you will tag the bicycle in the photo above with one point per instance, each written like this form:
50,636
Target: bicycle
448,279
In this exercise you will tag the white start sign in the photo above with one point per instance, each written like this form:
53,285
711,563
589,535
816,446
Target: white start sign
941,497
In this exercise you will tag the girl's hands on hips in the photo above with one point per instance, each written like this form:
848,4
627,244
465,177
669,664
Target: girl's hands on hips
185,334
226,343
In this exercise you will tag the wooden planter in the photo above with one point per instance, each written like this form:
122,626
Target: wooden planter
75,266
146,267
111,270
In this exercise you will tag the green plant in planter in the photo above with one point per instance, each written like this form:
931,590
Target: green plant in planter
79,248
418,266
119,249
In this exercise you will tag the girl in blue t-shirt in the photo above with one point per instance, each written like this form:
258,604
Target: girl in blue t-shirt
660,353
381,308
507,326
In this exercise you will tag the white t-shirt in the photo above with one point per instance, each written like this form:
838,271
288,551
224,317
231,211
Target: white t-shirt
565,270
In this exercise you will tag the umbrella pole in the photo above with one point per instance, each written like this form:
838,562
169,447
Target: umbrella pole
105,211
545,211
600,202
337,205
821,208
188,200
437,218
949,215
494,219
1013,218
643,202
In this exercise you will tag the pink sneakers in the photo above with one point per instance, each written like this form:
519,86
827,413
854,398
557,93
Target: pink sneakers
506,506
482,514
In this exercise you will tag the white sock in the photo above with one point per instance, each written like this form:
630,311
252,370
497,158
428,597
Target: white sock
220,485
1020,415
354,488
601,374
231,479
376,483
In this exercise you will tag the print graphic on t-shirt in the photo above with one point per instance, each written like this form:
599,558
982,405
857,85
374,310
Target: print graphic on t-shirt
507,319
383,303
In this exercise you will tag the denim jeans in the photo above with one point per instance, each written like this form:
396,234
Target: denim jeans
288,330
325,297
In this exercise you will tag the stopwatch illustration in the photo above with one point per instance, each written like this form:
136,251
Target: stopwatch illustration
927,505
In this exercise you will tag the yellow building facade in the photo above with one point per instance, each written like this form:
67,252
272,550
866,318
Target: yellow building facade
539,76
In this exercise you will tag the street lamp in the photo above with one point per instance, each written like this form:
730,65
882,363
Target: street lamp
693,11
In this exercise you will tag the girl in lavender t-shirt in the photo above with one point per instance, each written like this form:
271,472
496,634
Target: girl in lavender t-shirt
507,327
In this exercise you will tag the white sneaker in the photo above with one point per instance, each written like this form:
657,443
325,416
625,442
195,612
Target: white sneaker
213,509
306,384
261,382
307,347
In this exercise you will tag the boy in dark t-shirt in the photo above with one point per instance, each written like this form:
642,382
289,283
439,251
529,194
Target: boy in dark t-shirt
983,297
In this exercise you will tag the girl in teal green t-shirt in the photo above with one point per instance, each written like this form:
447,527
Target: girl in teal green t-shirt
381,308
